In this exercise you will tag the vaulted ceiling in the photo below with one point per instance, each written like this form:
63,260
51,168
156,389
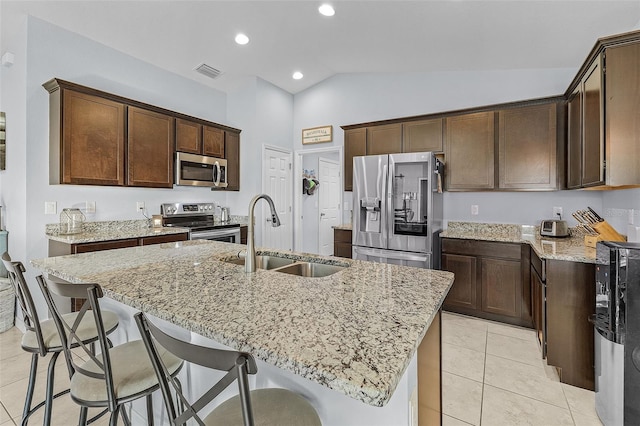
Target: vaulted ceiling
363,36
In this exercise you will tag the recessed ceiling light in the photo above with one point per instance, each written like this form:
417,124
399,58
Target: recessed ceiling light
297,75
242,39
326,10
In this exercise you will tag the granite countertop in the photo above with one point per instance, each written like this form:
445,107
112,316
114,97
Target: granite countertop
124,229
570,249
110,230
354,331
344,227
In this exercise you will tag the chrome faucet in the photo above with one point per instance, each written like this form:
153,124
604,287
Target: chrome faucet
250,259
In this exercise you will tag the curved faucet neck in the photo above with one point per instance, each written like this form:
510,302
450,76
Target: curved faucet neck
250,259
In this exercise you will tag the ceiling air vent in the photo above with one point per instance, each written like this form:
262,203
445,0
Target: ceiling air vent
208,70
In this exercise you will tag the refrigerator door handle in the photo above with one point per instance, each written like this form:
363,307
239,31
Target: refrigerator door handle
389,254
384,219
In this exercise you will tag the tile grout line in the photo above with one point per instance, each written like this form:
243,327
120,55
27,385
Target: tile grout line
484,372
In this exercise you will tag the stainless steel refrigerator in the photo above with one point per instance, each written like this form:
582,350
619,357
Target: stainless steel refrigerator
397,209
617,333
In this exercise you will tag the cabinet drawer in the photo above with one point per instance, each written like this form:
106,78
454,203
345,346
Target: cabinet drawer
159,239
482,248
103,245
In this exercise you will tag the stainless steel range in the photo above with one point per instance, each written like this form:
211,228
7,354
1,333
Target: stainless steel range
199,218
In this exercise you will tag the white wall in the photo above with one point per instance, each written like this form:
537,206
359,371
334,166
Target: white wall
13,185
617,206
264,112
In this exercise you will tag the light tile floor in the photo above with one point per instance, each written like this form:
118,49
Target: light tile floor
493,375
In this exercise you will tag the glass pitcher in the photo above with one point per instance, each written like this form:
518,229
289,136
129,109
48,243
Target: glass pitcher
71,221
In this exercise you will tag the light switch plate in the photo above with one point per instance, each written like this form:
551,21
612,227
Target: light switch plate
50,207
474,209
90,207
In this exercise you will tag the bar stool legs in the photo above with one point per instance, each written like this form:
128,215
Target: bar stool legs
48,401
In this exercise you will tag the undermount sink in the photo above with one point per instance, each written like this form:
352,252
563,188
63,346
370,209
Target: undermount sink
265,262
291,266
310,269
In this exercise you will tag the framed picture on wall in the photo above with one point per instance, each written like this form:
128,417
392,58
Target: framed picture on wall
317,135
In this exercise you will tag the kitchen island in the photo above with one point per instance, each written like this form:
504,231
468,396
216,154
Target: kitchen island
353,336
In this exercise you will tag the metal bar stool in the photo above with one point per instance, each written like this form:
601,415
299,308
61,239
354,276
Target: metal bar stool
42,338
120,374
270,407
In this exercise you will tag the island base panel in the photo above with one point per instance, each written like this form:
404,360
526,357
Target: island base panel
430,375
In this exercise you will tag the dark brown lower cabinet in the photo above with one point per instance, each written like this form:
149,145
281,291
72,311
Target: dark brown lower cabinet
463,293
243,234
570,302
537,296
491,280
342,243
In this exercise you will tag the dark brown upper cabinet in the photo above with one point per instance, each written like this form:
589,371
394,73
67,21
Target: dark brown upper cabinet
469,155
527,147
87,138
232,152
423,135
603,149
98,138
150,148
574,140
355,144
188,136
213,141
384,139
622,112
592,131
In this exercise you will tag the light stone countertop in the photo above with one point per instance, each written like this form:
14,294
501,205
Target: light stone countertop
570,249
110,230
354,331
122,230
344,227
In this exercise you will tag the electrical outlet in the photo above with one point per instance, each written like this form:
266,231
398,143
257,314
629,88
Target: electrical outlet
557,212
474,209
140,206
50,207
90,206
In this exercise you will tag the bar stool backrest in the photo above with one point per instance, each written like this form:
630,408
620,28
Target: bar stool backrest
67,332
237,365
16,272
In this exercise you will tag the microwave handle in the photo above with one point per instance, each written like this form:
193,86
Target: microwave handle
216,173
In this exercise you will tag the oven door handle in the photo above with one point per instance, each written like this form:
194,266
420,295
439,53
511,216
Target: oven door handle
215,233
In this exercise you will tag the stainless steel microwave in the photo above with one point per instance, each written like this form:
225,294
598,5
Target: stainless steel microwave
200,170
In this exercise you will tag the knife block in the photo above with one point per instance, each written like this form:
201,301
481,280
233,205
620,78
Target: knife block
607,232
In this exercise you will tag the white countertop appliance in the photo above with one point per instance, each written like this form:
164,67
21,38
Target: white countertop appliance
199,218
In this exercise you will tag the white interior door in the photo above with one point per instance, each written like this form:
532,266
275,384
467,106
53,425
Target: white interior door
277,183
329,208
